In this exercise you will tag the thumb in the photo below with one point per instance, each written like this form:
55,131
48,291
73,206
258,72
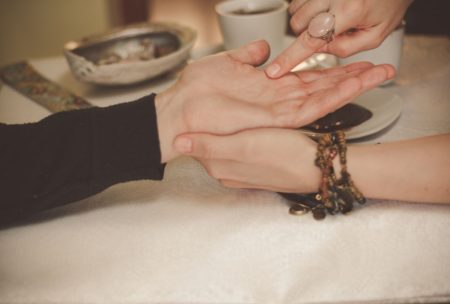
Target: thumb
255,53
208,146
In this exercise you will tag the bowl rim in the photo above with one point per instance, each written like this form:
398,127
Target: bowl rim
186,34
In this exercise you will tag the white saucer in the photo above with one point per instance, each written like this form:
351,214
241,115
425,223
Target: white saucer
386,107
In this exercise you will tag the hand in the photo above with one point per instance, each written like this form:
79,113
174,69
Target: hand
226,93
273,159
283,160
359,25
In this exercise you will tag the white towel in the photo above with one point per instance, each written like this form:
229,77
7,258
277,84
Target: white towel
188,240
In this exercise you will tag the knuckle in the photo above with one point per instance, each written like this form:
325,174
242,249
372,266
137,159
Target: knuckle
294,6
295,26
325,3
353,8
291,9
340,50
374,43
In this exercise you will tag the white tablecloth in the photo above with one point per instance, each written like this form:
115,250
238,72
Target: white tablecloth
189,240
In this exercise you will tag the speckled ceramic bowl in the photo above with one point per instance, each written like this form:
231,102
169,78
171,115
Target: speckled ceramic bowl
130,54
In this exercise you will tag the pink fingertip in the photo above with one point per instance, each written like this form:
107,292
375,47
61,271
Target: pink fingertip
391,71
272,70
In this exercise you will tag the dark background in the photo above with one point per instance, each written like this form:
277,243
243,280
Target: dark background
428,17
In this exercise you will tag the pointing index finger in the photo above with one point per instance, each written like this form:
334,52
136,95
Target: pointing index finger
302,48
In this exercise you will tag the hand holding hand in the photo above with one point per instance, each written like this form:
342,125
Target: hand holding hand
226,93
272,159
283,161
359,25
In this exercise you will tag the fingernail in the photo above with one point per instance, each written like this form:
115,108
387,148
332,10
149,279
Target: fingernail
183,145
391,72
273,69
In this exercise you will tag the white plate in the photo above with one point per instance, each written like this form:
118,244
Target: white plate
385,106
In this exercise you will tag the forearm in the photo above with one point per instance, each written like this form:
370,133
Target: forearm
414,170
72,155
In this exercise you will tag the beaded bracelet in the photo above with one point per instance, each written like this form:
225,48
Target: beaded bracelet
335,195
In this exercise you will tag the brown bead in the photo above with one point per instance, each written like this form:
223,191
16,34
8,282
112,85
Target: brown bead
319,213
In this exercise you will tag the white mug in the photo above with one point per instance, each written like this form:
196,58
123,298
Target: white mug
243,21
389,51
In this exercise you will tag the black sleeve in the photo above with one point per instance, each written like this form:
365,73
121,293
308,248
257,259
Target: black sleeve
71,155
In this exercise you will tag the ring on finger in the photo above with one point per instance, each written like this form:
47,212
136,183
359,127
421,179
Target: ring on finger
322,26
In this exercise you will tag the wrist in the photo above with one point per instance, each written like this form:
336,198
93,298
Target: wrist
308,174
337,194
168,110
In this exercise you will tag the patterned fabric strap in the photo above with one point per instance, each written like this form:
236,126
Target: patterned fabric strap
26,80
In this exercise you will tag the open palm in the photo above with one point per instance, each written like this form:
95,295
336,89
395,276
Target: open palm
227,93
